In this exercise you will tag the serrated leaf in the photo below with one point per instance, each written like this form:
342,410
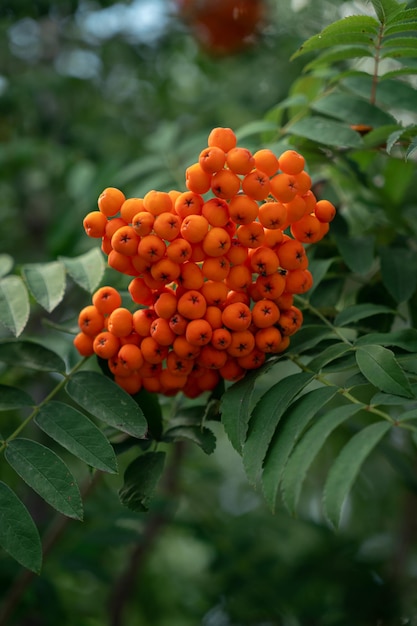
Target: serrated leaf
236,405
357,252
336,54
380,367
14,304
75,432
203,437
46,282
108,402
347,466
46,474
344,106
326,131
12,398
358,312
18,533
87,269
386,9
393,94
412,148
401,27
405,339
307,449
399,272
399,53
30,355
403,16
331,353
6,264
140,480
265,418
403,71
293,423
309,336
400,42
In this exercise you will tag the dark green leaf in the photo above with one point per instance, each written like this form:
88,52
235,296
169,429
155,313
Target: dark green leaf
386,9
87,269
331,353
75,432
326,131
14,304
401,27
319,269
149,403
30,355
12,398
201,436
337,53
265,418
390,93
407,415
255,128
46,282
400,42
347,466
293,423
6,264
381,368
360,311
357,252
412,148
47,474
108,402
399,272
310,336
344,106
307,449
405,339
140,480
18,533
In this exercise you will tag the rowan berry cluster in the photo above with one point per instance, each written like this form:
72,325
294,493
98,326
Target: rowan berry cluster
214,270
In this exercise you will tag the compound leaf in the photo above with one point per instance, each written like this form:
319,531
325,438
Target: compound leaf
46,282
380,367
30,355
12,398
14,304
87,269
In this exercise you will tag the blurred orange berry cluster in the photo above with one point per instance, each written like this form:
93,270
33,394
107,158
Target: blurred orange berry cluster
214,270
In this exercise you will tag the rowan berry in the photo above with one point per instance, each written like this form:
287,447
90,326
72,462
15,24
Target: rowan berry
251,235
153,351
84,344
165,270
197,179
283,187
132,384
253,360
178,366
273,215
217,242
106,299
231,370
242,209
157,202
95,224
188,203
192,304
242,343
271,286
140,292
290,321
238,253
291,162
256,185
216,268
120,322
167,226
212,358
239,278
110,201
191,276
114,224
166,304
264,261
240,160
214,292
223,138
212,159
178,323
213,316
198,332
307,229
268,339
265,313
273,237
296,209
325,211
303,182
292,255
266,161
225,184
130,357
90,320
125,241
221,338
142,223
184,349
151,248
121,263
216,211
194,228
237,316
142,320
130,208
161,332
298,281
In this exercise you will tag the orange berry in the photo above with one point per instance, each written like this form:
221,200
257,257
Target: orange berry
272,215
152,351
189,203
166,305
243,210
273,237
130,208
150,370
238,253
240,160
177,365
251,235
140,264
307,229
243,342
216,211
303,182
167,226
106,345
325,211
165,270
110,201
291,162
256,185
264,261
298,281
213,316
198,332
197,252
191,276
266,161
120,322
223,138
283,187
290,321
113,225
179,250
106,245
95,224
212,358
225,184
130,357
133,338
217,242
239,278
310,200
214,292
157,202
106,299
196,179
151,384
84,344
142,321
296,209
161,332
268,339
132,384
221,338
265,313
253,360
271,286
284,301
90,320
212,159
236,296
231,370
140,292
194,228
151,248
184,349
142,223
237,316
178,323
192,304
121,263
125,241
216,268
292,255
170,381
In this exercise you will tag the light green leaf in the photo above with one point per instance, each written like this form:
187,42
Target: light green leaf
265,418
337,53
14,304
400,42
87,269
140,480
347,466
326,131
75,432
30,355
386,9
412,148
46,282
380,367
399,272
6,264
357,252
401,27
12,398
18,533
203,437
407,415
293,423
255,128
108,402
47,474
358,312
307,449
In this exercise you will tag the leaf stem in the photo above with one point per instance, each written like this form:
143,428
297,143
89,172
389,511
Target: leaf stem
307,305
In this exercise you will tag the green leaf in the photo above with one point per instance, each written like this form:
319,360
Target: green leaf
46,474
407,415
14,304
151,408
310,336
358,312
347,466
345,106
405,339
336,54
386,9
75,432
293,423
255,128
12,398
380,367
393,94
357,252
265,418
400,42
6,264
108,402
46,282
331,353
326,131
412,148
30,355
18,533
307,449
201,436
378,137
355,29
236,405
401,27
140,480
399,272
403,16
87,269
319,269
